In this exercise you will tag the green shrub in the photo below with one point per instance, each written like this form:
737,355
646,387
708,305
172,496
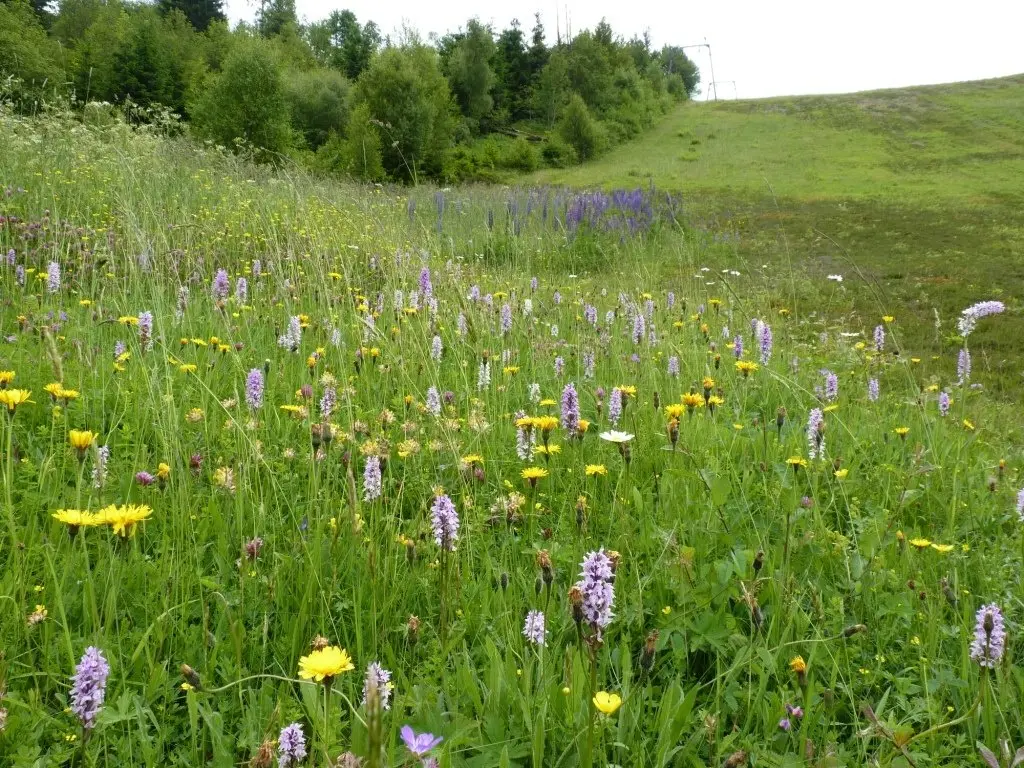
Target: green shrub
318,102
30,67
246,100
557,154
521,156
579,130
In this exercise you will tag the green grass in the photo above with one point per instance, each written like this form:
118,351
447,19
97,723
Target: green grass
918,190
738,550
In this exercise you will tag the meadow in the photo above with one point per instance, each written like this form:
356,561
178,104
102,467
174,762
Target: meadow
912,194
304,473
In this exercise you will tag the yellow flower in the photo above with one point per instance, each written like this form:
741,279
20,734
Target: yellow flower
545,423
902,431
76,518
582,426
81,439
942,548
6,377
796,462
887,318
841,473
968,424
123,519
627,390
527,422
667,610
471,459
674,411
324,663
548,450
920,543
533,474
510,370
128,320
547,402
798,665
163,471
12,398
692,400
607,703
746,367
596,470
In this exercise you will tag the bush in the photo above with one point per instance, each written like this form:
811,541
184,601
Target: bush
30,66
246,100
358,154
318,102
521,156
403,89
557,154
579,130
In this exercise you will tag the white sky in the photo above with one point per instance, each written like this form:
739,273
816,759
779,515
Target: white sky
768,47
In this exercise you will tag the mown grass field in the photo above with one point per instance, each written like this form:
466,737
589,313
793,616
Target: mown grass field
913,195
592,486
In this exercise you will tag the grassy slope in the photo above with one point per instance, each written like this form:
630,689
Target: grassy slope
921,188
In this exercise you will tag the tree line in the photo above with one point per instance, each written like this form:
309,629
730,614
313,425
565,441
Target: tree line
337,94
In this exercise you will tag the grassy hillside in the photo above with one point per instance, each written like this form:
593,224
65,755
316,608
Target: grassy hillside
920,188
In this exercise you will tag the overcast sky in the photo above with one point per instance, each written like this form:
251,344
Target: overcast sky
768,47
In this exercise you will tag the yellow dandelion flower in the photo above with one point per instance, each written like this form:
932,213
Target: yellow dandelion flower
746,367
533,474
841,473
920,543
596,470
798,665
325,663
12,398
796,462
81,439
942,548
6,377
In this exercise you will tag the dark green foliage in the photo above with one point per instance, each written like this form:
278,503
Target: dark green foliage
274,15
246,100
338,41
200,13
512,67
358,154
469,71
683,73
149,67
318,102
30,61
473,88
557,153
578,129
405,91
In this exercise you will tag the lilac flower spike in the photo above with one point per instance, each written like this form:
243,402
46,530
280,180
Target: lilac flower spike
444,519
989,636
419,743
378,679
570,409
89,686
533,628
291,746
254,389
221,285
372,484
53,277
970,316
597,590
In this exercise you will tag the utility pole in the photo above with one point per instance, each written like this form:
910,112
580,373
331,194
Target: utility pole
732,82
711,61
